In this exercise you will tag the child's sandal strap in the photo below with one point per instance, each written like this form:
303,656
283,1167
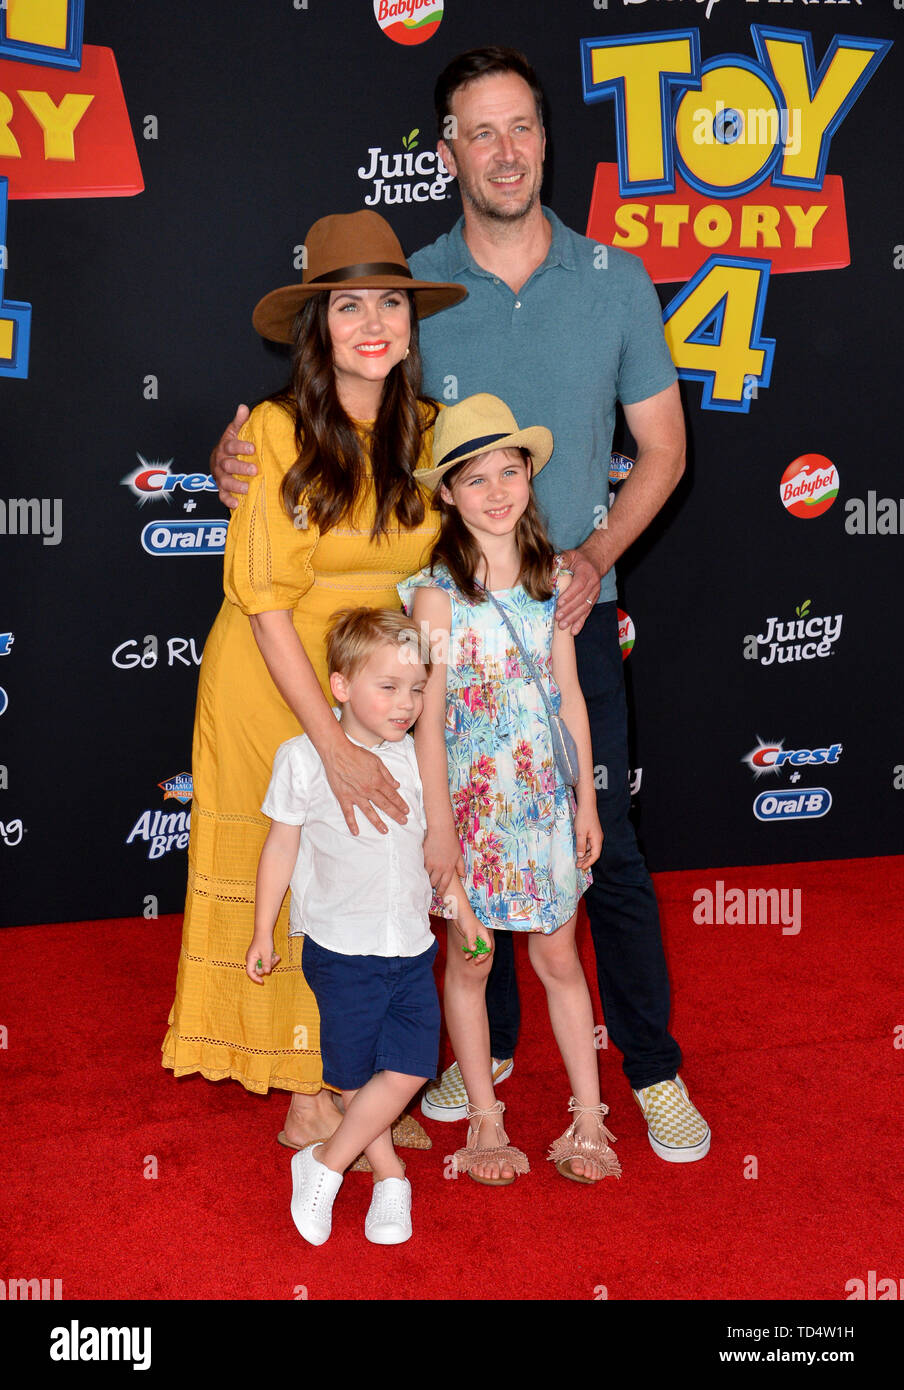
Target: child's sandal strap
503,1152
571,1145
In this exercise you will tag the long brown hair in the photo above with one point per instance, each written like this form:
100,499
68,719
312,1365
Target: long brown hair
457,549
330,469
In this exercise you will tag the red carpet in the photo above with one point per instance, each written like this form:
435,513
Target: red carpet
790,1052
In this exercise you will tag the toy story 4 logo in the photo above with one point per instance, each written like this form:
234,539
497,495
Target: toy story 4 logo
727,156
64,131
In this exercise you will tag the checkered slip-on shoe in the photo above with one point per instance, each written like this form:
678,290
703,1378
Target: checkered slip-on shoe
676,1129
447,1098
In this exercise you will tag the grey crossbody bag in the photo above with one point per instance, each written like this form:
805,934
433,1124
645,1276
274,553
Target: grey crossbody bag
564,748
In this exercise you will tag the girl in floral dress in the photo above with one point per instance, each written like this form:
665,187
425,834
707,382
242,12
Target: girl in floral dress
507,841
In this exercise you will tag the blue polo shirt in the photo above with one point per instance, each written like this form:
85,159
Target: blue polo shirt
584,332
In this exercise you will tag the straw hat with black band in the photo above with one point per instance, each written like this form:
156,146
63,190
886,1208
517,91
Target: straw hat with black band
478,425
347,251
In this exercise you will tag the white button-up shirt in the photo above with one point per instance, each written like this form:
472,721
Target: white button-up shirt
359,895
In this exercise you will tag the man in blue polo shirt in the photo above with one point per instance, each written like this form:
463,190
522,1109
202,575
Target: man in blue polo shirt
561,329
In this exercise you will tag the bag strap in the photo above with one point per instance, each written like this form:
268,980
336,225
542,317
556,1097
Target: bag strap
526,655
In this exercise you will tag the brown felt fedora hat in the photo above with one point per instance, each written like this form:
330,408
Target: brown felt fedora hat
350,250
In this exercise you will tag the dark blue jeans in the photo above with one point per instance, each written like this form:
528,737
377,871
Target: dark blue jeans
624,916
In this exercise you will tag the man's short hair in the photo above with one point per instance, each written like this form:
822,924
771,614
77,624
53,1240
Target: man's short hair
355,634
477,63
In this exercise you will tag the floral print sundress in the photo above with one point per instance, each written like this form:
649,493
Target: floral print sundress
513,813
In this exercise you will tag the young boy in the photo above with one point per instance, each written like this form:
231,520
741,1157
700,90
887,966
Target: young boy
361,903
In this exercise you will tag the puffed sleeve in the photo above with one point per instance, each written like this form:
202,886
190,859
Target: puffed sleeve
424,579
268,560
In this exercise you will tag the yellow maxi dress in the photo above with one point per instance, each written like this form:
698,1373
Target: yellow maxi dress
221,1023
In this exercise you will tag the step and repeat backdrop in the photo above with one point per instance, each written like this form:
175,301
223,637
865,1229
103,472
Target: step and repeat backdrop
159,168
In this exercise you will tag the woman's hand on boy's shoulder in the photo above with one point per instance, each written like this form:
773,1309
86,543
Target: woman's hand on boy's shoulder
361,782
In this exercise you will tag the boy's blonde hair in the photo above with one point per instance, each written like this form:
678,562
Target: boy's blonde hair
355,634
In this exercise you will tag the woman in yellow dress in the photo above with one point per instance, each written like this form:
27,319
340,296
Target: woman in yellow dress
333,519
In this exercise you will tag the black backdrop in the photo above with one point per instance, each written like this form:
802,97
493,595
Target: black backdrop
264,116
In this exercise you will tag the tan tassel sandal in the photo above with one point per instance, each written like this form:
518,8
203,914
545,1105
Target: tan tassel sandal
464,1159
572,1145
407,1133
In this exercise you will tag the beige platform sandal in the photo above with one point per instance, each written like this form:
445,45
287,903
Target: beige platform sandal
464,1159
407,1133
571,1145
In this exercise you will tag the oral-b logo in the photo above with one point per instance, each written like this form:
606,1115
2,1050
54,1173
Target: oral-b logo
807,804
184,538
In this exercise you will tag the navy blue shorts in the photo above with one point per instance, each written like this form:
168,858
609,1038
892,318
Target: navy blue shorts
377,1013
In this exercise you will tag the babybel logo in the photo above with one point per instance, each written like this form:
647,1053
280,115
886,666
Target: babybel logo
625,634
809,486
408,21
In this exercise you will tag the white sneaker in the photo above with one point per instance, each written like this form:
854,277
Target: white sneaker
447,1098
388,1221
314,1187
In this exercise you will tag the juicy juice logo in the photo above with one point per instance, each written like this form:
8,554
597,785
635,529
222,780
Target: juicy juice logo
805,637
406,176
725,157
408,21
